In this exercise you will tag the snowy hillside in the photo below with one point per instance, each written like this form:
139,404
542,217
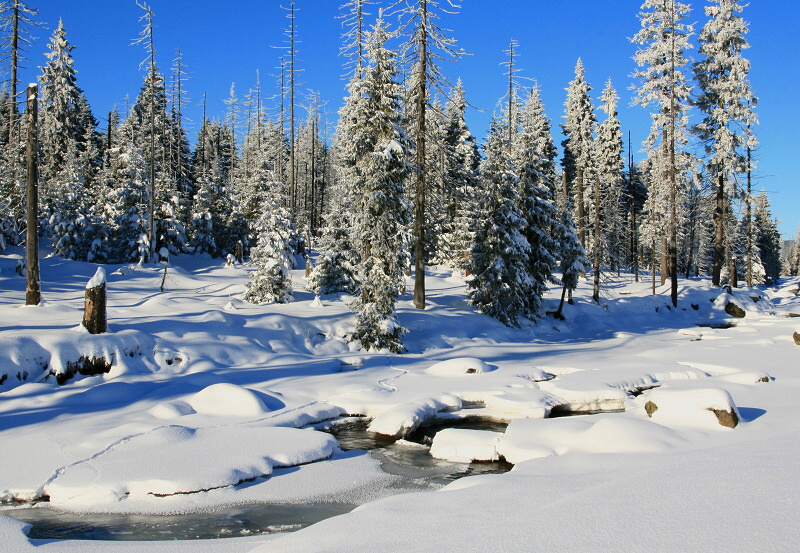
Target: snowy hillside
209,401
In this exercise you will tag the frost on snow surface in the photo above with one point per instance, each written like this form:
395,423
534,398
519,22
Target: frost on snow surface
205,406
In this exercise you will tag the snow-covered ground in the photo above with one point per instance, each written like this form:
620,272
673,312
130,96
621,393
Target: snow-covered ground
209,399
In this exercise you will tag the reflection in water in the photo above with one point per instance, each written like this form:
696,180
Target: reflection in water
231,522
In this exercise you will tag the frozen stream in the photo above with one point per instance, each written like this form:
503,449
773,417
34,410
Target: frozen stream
408,459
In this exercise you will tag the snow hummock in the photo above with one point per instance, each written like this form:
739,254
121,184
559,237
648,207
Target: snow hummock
226,399
175,459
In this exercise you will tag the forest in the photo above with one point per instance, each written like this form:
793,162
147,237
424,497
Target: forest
403,183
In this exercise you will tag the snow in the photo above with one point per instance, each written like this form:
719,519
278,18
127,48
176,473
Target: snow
201,397
463,446
98,279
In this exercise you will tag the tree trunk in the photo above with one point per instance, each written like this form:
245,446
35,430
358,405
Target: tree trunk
596,256
419,194
94,310
719,237
33,294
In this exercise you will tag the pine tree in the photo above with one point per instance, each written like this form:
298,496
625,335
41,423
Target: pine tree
664,37
381,214
500,257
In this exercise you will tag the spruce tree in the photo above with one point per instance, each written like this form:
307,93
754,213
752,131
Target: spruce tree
578,128
664,36
726,101
381,214
500,258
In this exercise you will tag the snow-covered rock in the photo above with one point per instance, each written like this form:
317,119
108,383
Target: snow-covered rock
460,366
704,407
407,417
464,446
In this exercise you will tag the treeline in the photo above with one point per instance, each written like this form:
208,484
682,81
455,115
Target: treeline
404,182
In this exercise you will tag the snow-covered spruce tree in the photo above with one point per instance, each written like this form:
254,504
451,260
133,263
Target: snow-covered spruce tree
726,101
127,208
60,129
272,256
767,239
530,155
738,245
610,167
460,173
335,270
380,215
664,39
500,257
578,161
572,258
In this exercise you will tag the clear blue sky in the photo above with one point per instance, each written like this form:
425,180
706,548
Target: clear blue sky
226,43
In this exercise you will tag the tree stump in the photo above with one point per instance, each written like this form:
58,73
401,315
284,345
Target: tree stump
94,311
239,252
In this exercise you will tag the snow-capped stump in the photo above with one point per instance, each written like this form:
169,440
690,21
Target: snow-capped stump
227,400
94,310
705,407
459,366
460,445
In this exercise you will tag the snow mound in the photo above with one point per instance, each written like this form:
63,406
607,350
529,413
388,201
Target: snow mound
172,410
464,446
227,400
406,417
523,402
178,460
459,366
695,408
527,439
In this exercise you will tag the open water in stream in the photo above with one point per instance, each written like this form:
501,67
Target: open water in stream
407,459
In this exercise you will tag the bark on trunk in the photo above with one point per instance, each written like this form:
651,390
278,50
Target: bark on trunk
32,289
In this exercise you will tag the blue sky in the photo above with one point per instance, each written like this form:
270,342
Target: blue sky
228,45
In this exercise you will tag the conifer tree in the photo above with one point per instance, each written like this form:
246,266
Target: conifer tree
381,214
664,36
531,155
767,239
460,175
500,258
726,101
578,161
572,258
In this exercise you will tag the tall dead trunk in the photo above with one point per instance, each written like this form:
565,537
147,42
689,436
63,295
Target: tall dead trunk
596,256
419,192
33,294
